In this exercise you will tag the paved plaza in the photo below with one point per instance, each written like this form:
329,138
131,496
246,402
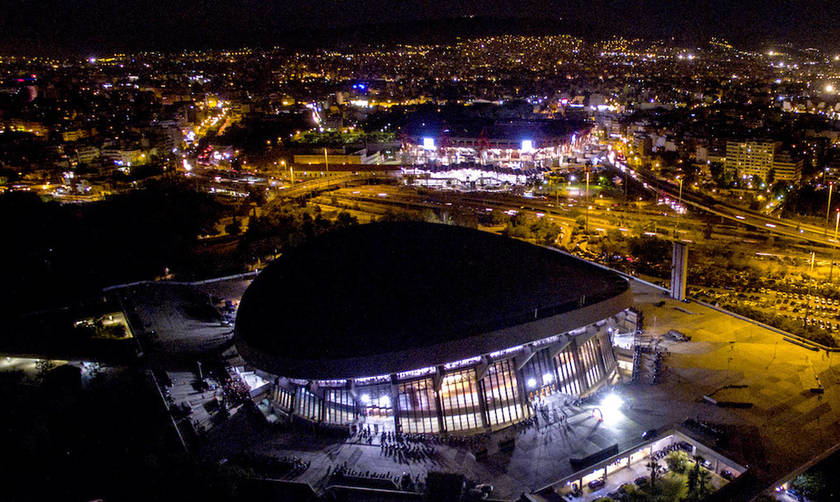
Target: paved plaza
175,318
729,358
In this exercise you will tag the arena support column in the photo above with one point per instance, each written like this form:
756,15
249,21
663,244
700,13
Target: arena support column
395,402
318,394
599,351
438,383
679,270
579,371
351,388
292,404
480,373
525,403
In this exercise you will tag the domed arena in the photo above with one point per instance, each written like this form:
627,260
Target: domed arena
428,328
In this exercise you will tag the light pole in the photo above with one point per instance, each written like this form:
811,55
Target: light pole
834,255
587,184
828,207
626,168
679,198
679,205
587,204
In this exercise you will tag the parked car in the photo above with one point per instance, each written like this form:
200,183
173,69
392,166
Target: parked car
596,484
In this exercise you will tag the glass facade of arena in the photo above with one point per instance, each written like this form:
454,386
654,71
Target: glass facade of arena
308,405
459,399
284,397
339,405
567,381
375,402
418,406
501,393
474,394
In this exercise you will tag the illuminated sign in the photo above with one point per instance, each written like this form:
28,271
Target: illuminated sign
527,145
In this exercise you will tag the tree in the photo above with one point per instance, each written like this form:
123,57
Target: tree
256,195
677,461
655,470
545,231
233,228
716,170
43,366
692,481
671,488
518,226
466,219
817,483
779,188
115,331
704,478
345,219
695,485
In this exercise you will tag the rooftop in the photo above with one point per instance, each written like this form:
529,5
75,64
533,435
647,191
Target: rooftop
384,287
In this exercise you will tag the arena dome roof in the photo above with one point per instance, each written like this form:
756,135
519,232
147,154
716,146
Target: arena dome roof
389,297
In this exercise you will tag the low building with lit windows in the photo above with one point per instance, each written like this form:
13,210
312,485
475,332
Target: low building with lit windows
476,143
420,327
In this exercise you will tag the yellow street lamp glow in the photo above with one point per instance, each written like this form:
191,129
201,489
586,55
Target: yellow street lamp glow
829,88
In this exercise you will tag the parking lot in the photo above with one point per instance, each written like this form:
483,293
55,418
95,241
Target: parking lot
803,308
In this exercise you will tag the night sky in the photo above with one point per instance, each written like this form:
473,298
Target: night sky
100,25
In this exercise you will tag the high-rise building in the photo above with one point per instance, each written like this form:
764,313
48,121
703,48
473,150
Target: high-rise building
751,158
787,168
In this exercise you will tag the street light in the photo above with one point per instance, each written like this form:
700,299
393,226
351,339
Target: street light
679,205
834,255
587,204
828,207
610,407
612,402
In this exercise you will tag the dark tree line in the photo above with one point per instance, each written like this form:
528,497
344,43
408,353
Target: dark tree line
56,253
288,226
109,440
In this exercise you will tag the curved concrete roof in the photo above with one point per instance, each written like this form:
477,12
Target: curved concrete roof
392,297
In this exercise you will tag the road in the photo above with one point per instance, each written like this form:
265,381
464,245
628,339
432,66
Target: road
602,214
777,226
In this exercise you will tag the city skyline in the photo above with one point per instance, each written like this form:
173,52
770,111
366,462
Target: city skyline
101,26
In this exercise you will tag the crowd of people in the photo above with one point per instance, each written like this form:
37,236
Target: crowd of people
550,412
407,448
343,474
364,434
657,367
273,467
323,429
